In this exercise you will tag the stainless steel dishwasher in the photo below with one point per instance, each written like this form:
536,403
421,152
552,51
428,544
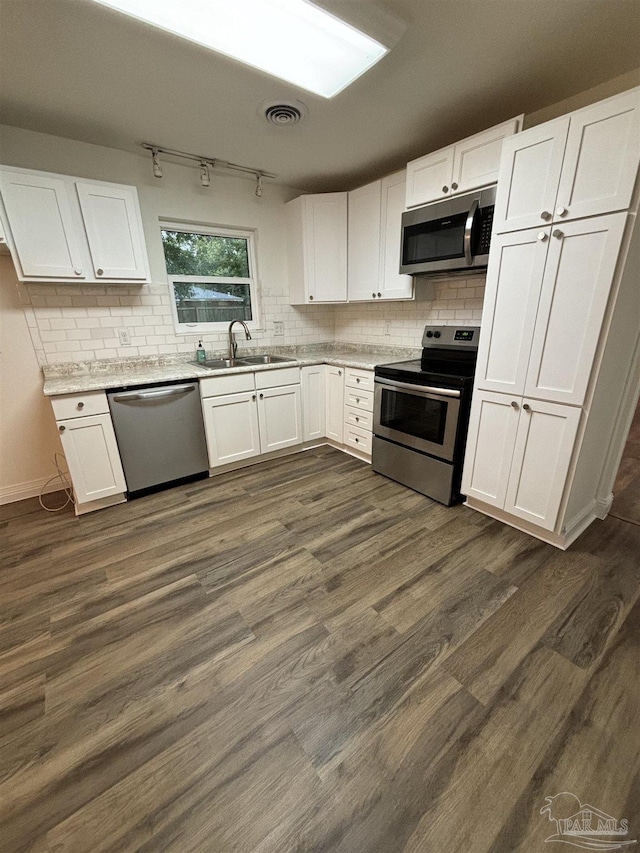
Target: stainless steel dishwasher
160,434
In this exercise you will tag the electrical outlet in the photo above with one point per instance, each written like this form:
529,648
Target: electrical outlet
387,327
125,337
278,328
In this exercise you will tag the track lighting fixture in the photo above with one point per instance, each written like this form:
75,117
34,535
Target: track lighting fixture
259,189
157,168
204,174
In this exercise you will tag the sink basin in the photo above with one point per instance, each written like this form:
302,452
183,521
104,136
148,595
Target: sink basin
265,359
219,363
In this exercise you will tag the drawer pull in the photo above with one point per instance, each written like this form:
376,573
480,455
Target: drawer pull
357,379
61,428
80,405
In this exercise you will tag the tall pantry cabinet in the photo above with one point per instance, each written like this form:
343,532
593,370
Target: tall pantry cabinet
557,297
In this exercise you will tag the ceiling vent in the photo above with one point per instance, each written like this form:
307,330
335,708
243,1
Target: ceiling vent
283,113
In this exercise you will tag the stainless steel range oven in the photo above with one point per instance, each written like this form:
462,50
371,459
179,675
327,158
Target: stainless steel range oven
421,413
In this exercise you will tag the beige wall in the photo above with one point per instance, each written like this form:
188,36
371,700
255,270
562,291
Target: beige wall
28,437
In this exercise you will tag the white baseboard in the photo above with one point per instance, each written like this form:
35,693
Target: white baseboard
602,506
30,489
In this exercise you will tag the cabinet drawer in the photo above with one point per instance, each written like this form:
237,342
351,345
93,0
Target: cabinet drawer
362,380
275,378
236,383
359,439
79,405
358,418
359,399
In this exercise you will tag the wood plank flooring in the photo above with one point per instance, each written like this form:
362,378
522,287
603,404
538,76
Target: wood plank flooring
305,657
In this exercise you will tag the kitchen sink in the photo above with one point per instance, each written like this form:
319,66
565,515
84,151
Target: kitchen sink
219,363
265,359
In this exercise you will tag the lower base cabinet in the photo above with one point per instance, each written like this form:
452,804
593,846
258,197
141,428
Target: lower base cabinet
518,455
279,418
231,427
91,451
335,403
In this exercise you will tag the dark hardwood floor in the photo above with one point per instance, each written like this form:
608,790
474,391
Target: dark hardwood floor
305,656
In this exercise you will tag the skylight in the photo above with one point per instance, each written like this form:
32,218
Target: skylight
290,39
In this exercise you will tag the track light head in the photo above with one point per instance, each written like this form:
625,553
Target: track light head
205,179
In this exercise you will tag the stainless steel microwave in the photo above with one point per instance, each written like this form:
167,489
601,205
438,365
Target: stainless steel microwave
453,234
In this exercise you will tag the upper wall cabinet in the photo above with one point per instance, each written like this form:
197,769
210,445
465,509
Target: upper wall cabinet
375,214
465,166
62,229
576,166
317,248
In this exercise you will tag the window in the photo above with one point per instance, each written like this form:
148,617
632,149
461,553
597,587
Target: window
211,274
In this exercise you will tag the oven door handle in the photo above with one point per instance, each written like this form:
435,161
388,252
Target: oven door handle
424,389
467,231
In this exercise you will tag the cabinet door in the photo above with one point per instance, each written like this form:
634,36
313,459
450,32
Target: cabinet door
601,159
514,279
363,270
92,455
335,404
575,290
490,442
429,177
231,427
279,417
114,230
325,244
392,284
543,447
312,386
42,225
476,160
529,175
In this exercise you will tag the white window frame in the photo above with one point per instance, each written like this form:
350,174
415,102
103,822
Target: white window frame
248,234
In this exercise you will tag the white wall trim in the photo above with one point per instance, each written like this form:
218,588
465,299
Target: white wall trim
603,506
30,489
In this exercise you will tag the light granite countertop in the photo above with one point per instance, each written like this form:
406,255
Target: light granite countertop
78,377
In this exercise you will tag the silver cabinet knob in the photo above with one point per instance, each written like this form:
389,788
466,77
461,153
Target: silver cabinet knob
78,272
61,428
542,236
374,296
454,186
379,295
357,399
339,373
310,297
99,272
545,215
357,420
253,397
514,404
561,211
80,405
558,233
526,407
356,440
445,189
357,379
262,396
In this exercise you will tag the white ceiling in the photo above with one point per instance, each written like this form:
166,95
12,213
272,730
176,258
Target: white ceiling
76,69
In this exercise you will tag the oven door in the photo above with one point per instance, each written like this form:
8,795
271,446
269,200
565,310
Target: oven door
417,416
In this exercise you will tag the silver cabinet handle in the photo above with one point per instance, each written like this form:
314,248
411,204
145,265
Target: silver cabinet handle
153,395
526,407
262,396
379,295
425,390
514,404
61,428
467,231
558,233
543,236
253,397
310,297
445,189
454,186
561,211
545,215
374,296
357,379
80,405
339,373
99,272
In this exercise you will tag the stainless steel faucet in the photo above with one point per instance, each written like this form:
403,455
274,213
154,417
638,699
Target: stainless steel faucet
233,346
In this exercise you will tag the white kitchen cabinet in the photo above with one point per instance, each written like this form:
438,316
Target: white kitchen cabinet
578,275
91,451
518,455
335,403
542,454
231,427
583,164
317,248
471,163
114,230
279,418
313,390
375,218
43,230
59,228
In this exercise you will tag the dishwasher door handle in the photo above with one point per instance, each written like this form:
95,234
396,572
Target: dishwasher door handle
153,395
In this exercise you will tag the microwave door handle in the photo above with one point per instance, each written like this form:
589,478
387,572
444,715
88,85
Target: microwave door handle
467,231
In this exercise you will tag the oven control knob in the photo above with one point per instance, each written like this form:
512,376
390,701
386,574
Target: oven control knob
436,334
429,334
